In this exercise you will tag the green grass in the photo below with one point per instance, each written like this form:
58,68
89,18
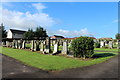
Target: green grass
49,62
28,45
103,49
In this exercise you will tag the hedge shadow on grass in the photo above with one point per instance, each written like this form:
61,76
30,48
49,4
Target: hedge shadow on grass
99,55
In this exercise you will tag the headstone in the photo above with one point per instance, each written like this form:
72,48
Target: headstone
32,45
41,46
13,44
117,42
47,50
65,49
102,44
36,45
23,44
110,44
55,48
19,44
16,44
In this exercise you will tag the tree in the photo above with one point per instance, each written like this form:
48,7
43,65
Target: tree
40,32
83,47
29,34
4,33
117,36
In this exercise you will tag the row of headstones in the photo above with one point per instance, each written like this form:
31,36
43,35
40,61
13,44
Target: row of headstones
39,45
110,44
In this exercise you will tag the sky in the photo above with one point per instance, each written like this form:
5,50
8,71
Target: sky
69,19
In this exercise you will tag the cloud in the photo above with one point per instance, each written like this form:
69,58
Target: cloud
39,6
68,33
115,21
25,20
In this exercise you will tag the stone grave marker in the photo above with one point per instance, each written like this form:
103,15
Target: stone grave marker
110,44
47,45
65,49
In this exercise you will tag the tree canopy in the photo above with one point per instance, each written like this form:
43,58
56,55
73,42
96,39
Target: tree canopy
29,34
3,31
117,36
39,32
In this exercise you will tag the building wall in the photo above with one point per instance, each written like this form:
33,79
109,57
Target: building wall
9,34
17,35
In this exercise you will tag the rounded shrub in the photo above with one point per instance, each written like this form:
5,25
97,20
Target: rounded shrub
83,47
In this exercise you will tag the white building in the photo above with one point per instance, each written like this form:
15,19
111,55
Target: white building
15,34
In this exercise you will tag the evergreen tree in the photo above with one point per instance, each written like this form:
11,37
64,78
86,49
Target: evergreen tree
40,32
3,31
29,34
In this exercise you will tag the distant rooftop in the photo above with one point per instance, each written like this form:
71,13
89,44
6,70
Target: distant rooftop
17,31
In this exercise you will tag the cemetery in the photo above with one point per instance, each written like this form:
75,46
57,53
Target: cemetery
57,54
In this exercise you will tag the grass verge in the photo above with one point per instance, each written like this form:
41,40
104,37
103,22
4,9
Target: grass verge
49,62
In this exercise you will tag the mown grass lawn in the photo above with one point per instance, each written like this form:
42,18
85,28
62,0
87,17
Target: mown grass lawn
50,62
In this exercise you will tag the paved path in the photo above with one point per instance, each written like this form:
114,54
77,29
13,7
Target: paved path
15,69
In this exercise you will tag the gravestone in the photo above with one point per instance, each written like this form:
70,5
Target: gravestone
16,44
23,44
47,50
36,45
117,42
102,44
42,46
55,48
32,45
13,44
19,44
110,44
65,49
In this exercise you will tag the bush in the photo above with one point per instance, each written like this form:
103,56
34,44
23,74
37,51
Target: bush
83,47
97,45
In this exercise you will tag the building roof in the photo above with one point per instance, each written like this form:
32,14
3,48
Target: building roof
106,38
58,36
17,31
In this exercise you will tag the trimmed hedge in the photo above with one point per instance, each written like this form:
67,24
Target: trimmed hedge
83,47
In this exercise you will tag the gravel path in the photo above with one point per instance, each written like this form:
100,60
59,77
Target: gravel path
15,69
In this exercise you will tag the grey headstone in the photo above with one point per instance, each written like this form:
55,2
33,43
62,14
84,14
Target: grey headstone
32,45
13,44
41,46
110,44
55,48
65,49
23,44
102,44
47,50
16,44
